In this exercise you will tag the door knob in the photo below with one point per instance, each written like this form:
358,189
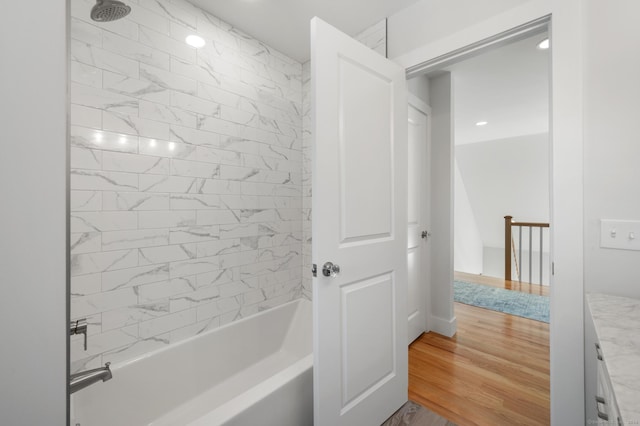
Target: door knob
425,234
330,270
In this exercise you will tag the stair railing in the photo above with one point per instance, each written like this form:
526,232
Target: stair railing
509,247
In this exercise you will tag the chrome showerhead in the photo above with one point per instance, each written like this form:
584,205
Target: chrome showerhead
109,10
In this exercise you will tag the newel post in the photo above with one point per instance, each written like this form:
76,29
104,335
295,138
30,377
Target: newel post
507,247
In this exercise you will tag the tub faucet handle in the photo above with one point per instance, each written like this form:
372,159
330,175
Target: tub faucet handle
79,327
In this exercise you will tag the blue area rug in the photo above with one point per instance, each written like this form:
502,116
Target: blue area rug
525,305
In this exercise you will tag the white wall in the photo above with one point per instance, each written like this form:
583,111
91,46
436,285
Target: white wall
612,150
567,375
435,19
467,245
442,316
507,177
33,218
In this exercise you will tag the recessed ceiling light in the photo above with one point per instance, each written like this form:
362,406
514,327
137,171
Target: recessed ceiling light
544,44
195,41
482,123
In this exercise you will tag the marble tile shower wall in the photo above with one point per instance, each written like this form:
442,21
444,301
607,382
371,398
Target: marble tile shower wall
374,37
186,170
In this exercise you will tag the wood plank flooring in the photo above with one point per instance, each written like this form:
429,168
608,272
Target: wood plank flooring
494,371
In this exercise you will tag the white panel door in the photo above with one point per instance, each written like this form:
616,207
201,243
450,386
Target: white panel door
418,217
359,223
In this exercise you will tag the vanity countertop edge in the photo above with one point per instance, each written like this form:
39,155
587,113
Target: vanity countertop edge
617,324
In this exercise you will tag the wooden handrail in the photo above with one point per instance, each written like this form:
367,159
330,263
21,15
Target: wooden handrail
507,247
532,224
508,241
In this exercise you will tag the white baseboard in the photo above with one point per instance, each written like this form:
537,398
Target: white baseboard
446,327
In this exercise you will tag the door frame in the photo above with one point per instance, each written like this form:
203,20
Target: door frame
565,21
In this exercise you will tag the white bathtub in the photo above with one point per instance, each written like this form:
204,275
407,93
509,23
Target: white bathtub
256,371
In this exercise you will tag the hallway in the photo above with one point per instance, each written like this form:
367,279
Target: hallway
494,371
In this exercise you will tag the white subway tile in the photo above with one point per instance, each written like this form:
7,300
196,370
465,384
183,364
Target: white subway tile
103,221
195,201
134,201
218,248
215,278
83,285
173,12
130,277
167,80
99,302
171,184
149,19
138,51
167,323
236,231
216,217
118,240
167,114
104,181
194,266
164,290
103,59
85,242
238,259
135,88
167,253
194,169
134,163
193,234
166,219
86,201
193,299
163,148
134,314
216,308
89,159
85,116
103,99
188,135
86,74
85,32
195,104
91,138
169,46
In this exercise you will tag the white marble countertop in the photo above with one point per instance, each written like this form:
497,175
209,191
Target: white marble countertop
617,322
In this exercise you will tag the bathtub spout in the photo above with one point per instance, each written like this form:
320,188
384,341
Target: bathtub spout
83,379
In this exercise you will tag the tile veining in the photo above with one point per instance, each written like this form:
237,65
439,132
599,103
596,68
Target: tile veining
185,178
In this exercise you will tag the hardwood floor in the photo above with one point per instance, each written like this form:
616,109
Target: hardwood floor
494,371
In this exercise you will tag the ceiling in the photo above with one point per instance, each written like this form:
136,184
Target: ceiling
284,24
508,87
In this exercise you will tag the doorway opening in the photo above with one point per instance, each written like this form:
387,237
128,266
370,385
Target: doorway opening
495,147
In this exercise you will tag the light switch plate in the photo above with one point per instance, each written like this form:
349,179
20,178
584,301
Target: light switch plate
620,234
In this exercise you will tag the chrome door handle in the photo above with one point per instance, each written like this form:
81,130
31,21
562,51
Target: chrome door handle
330,270
425,234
